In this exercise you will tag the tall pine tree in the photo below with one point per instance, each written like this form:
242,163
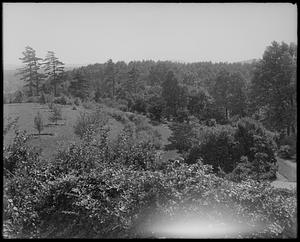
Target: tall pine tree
54,70
29,73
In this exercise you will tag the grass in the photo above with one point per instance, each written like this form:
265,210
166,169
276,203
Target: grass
63,133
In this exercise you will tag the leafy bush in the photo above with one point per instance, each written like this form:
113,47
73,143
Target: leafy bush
38,122
183,137
90,191
285,152
89,105
217,146
33,99
10,125
77,101
63,100
46,98
291,141
253,138
89,121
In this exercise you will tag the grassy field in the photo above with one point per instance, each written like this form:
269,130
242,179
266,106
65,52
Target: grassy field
63,134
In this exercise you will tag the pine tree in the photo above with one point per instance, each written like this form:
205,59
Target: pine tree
80,86
30,72
54,70
109,79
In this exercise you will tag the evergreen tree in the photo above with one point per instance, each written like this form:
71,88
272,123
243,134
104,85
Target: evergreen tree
170,93
80,86
109,79
54,70
29,73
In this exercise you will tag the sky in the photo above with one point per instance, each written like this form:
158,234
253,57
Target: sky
86,33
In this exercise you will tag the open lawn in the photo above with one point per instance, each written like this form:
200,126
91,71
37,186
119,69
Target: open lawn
63,134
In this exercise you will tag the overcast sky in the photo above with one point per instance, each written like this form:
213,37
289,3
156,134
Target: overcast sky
81,33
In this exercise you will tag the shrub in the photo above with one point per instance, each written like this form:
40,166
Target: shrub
46,98
33,99
285,152
10,125
38,122
254,138
89,121
63,100
87,193
18,97
56,114
89,105
217,146
77,101
291,142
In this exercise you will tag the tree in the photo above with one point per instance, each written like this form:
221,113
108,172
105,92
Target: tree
273,87
30,72
56,114
170,93
109,79
229,93
198,102
54,70
38,123
80,86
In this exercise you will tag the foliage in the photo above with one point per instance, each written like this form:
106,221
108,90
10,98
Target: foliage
285,152
56,114
54,70
38,122
29,73
11,124
183,137
89,193
217,146
89,121
62,100
77,101
274,86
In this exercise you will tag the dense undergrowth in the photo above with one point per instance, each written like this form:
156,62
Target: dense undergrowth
99,189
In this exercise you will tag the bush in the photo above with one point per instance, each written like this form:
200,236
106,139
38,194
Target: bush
291,142
285,152
38,122
89,121
33,99
92,191
183,137
77,101
254,138
217,146
89,105
63,100
46,98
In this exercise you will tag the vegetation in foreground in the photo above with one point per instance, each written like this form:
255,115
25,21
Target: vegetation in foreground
99,190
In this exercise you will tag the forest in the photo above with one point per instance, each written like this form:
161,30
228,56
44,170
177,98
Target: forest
229,123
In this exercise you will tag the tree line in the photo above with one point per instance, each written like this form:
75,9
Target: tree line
264,89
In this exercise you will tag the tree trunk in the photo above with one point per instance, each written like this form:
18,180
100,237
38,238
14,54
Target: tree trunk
288,130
